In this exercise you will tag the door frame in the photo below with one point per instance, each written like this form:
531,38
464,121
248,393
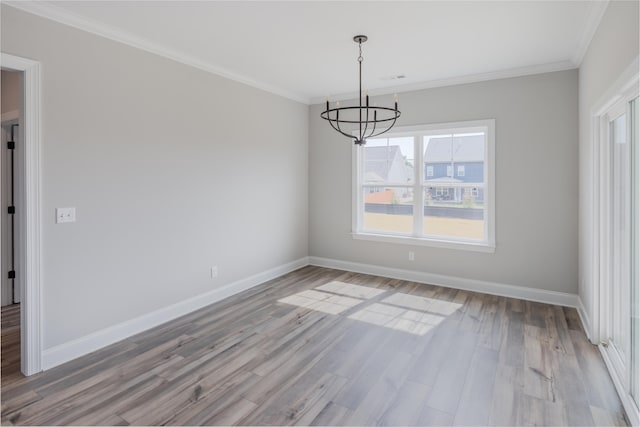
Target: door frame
600,167
28,241
609,263
624,89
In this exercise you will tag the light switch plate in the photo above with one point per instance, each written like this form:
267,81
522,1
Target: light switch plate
65,215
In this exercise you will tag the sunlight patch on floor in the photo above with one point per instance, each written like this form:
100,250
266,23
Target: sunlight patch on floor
321,301
350,290
400,311
430,305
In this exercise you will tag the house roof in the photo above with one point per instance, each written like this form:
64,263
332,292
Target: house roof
378,161
465,149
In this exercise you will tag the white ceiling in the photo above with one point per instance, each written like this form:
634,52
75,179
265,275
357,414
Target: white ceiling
304,49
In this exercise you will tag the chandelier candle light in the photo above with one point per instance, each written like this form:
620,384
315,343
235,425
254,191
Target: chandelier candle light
369,124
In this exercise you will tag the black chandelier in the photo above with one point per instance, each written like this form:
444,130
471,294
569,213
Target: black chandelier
371,124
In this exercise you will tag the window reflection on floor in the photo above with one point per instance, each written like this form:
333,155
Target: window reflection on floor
350,290
436,306
321,301
403,312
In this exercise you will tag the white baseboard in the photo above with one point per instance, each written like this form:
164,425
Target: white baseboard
630,408
512,291
62,353
584,318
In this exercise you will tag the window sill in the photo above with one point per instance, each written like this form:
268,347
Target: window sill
416,241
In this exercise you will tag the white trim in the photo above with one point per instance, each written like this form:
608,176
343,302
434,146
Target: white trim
596,12
62,353
454,81
417,235
630,408
65,17
491,288
628,78
584,318
10,115
29,220
626,87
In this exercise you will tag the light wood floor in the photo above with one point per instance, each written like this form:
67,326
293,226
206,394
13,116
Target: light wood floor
305,350
10,344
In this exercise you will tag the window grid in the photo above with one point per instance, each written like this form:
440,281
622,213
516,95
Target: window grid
421,187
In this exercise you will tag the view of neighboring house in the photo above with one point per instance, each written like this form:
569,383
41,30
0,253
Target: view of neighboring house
454,167
383,165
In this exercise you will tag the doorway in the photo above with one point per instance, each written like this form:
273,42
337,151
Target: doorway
28,212
8,157
10,173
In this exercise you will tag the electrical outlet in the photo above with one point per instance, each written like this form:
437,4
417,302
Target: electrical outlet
412,256
214,271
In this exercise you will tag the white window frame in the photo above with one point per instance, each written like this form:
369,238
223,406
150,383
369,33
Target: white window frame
461,169
429,170
419,184
450,171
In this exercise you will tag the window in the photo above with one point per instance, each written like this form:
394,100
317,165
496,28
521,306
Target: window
405,191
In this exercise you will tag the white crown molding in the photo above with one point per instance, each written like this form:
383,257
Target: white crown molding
598,8
55,13
471,78
62,16
65,352
481,286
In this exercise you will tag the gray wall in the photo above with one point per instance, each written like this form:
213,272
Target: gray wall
10,91
166,165
536,183
613,48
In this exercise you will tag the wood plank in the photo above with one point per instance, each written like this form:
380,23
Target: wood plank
538,372
382,393
406,407
215,404
599,387
252,360
539,412
508,387
302,403
475,404
603,417
453,373
331,415
433,417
